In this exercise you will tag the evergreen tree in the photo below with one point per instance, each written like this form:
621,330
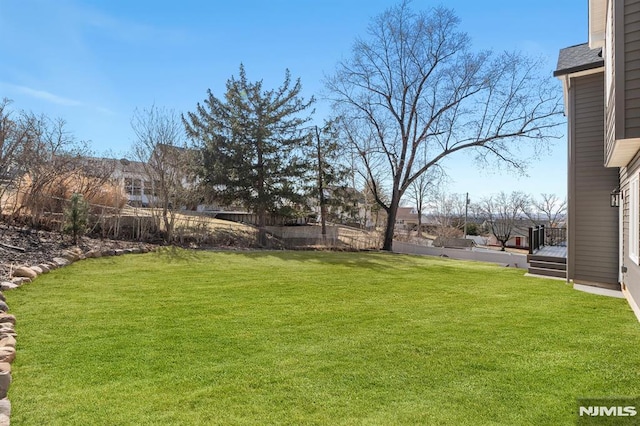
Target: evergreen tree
76,217
251,144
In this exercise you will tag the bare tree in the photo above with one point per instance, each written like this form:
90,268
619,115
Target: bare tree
448,213
42,165
373,191
413,94
502,212
94,179
12,140
422,190
161,147
48,154
337,200
549,210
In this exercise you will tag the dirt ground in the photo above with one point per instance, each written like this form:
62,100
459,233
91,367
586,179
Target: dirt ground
24,246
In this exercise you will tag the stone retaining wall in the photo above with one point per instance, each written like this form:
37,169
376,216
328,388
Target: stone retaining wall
22,275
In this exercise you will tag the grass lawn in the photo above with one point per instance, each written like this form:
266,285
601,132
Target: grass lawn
204,338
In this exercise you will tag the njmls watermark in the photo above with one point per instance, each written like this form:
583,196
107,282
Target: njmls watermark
608,411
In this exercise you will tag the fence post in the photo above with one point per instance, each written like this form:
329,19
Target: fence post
531,243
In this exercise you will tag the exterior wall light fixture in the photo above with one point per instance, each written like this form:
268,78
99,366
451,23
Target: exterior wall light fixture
615,197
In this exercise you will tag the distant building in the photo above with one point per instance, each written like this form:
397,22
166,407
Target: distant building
407,219
519,239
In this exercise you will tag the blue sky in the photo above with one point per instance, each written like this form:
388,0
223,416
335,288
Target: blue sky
93,62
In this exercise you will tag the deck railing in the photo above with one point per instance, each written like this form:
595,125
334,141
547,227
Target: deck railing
555,236
536,238
540,236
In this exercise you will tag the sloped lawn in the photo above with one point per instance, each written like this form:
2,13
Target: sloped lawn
195,338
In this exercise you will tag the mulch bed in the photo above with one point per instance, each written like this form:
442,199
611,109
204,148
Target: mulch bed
25,246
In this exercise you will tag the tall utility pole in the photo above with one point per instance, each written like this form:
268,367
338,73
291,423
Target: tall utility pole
466,212
323,207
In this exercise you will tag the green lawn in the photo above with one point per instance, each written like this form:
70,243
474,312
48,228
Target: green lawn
201,338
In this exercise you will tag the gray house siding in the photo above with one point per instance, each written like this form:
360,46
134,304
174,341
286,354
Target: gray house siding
631,278
614,127
610,127
632,68
593,224
599,238
626,72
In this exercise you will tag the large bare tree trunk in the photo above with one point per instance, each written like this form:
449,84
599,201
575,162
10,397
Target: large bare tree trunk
392,212
389,230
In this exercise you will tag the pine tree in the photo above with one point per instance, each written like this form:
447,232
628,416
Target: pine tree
251,144
76,217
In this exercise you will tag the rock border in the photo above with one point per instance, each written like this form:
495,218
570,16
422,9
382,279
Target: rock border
20,276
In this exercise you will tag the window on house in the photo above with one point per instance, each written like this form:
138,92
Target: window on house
137,187
147,187
128,184
634,219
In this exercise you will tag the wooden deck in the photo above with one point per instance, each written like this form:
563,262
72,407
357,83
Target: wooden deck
550,261
552,251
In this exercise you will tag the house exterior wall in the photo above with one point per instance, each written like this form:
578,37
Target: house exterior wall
612,129
631,60
407,219
622,70
133,180
630,279
511,243
593,236
610,126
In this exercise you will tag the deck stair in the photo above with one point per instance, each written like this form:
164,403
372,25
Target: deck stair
547,252
548,266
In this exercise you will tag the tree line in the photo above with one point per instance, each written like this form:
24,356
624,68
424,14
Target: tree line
412,94
502,215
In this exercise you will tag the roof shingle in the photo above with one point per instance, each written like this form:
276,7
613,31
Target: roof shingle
578,58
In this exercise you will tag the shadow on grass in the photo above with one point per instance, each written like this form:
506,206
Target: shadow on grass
373,260
378,261
176,254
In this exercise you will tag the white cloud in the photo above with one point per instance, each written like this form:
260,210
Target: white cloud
53,98
44,95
